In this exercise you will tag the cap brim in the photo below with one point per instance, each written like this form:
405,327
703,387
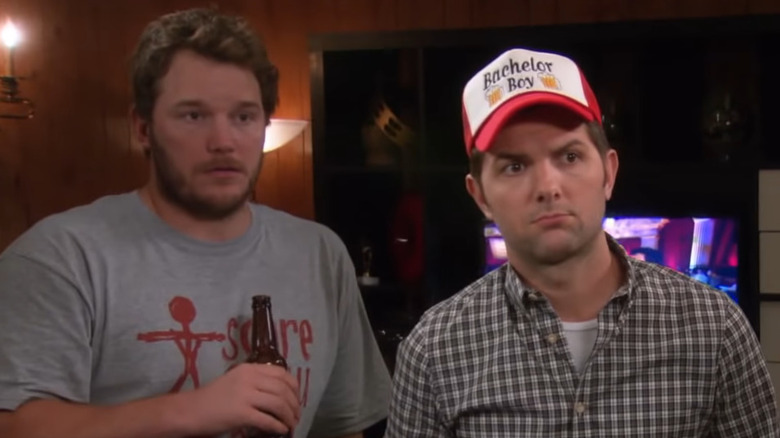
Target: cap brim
487,133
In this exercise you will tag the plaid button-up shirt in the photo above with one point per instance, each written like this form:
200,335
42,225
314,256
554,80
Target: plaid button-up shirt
673,358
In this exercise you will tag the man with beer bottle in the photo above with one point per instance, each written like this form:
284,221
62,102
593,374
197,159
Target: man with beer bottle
130,317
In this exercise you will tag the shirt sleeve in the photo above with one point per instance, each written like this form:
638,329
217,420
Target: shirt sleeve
358,391
44,334
745,404
413,412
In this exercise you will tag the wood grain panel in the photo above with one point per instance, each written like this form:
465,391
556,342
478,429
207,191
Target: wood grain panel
457,14
763,6
79,146
656,9
712,8
499,13
541,12
416,14
14,206
574,11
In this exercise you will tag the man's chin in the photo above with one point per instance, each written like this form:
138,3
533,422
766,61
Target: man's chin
554,250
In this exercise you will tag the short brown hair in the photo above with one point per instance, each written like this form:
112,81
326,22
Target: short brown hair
595,132
208,33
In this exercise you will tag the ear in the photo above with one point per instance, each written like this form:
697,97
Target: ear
474,187
610,172
140,128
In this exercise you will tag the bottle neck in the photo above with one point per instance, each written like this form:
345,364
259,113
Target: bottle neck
263,331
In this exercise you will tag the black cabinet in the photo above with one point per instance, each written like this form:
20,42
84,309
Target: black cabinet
690,105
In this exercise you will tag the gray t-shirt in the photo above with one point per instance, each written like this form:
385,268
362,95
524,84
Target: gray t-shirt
106,303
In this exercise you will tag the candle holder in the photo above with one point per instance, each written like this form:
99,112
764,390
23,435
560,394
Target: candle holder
12,106
10,100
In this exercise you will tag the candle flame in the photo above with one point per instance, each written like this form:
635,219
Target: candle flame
10,35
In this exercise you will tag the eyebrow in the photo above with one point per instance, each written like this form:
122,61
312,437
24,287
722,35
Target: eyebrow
188,103
514,156
196,103
569,144
249,104
511,156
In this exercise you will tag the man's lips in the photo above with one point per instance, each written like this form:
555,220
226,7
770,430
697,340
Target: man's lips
551,217
223,169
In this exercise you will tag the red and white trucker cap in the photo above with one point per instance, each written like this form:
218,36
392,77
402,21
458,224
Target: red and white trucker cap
519,79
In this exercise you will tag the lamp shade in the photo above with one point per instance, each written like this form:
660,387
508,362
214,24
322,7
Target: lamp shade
280,132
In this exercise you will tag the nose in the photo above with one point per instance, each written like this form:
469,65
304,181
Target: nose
547,180
222,136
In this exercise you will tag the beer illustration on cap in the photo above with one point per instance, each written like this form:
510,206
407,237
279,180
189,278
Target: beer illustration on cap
494,94
550,81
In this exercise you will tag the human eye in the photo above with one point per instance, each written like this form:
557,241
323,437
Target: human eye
191,115
512,167
571,157
246,116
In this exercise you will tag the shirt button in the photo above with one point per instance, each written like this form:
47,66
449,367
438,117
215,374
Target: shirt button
552,338
580,408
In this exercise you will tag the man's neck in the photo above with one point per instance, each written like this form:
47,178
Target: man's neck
579,288
216,230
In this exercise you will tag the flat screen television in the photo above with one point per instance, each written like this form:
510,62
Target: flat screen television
704,248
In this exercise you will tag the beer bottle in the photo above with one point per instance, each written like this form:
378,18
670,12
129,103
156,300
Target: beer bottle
265,349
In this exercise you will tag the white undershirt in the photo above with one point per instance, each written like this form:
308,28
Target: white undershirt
581,337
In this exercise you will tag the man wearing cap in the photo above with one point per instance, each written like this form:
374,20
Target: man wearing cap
572,337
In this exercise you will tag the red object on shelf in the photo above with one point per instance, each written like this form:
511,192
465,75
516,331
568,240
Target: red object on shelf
406,238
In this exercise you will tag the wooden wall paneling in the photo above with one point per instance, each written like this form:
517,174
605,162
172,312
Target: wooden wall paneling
307,200
119,26
457,14
381,15
763,6
328,16
289,53
79,147
499,13
711,8
649,10
351,15
416,14
287,23
14,204
114,49
608,10
661,9
38,86
267,190
576,11
61,156
13,207
295,193
573,11
264,17
541,12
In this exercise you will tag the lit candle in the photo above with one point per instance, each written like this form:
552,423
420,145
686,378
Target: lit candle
10,36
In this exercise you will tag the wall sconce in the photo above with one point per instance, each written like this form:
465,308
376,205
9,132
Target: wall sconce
281,131
13,106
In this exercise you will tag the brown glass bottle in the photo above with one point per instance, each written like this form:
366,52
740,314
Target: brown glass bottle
265,348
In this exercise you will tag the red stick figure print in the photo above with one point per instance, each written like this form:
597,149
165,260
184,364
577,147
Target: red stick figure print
183,311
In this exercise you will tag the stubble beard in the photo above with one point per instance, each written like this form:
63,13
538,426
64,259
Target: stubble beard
577,244
172,185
